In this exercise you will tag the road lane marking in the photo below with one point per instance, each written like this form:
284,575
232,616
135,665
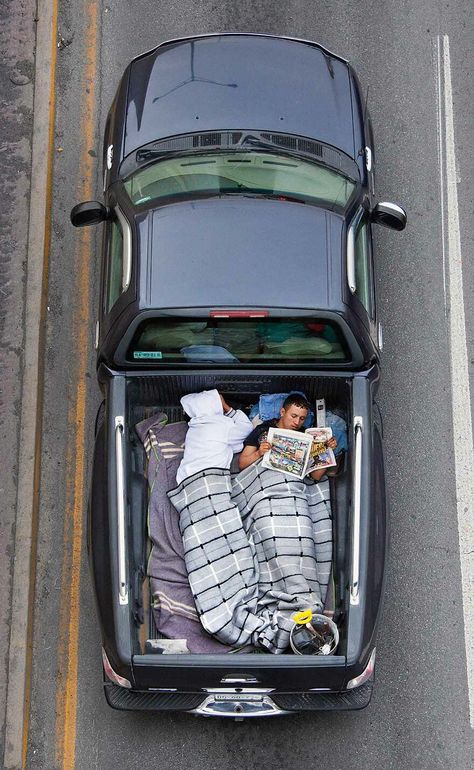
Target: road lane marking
69,614
440,133
460,390
29,456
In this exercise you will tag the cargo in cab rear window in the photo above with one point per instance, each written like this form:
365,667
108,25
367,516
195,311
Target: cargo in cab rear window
238,341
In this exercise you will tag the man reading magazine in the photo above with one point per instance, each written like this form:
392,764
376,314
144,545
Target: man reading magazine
292,416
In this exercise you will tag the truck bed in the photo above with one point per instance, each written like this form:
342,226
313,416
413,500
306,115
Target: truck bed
148,395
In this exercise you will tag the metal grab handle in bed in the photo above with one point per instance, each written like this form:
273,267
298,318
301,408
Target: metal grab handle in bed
356,507
122,569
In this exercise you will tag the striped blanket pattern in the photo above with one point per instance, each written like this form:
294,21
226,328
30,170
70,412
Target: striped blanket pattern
257,548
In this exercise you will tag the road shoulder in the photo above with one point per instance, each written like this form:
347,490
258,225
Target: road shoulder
31,223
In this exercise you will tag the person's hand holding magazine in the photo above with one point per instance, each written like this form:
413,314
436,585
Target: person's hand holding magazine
317,475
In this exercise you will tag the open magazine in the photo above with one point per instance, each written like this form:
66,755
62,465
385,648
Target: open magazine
298,454
320,454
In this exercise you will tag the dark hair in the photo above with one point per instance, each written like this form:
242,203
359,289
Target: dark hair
296,399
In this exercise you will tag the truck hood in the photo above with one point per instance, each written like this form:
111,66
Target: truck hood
232,82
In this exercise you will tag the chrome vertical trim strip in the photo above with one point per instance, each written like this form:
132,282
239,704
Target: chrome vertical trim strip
122,568
351,237
127,249
358,429
380,337
368,159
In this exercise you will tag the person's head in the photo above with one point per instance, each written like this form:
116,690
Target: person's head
293,412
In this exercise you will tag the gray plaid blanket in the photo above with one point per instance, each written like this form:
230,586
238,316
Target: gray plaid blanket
257,548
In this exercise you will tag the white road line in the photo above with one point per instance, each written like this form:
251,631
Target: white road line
439,90
460,391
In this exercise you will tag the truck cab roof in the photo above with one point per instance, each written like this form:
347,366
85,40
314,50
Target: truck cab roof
240,252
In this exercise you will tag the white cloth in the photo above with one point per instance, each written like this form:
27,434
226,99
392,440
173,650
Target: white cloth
213,437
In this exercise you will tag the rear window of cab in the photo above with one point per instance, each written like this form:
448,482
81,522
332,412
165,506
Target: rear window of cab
244,341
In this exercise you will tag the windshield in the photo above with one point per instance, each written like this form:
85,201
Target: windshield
241,173
230,341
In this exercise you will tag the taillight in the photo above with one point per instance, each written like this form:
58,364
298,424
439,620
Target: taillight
239,313
110,673
366,674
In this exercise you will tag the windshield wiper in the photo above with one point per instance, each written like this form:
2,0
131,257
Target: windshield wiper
248,139
243,141
264,196
255,141
150,153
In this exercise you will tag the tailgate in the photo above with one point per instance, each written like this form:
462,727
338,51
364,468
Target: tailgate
285,673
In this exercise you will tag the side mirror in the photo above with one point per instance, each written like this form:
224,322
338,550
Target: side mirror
390,215
88,213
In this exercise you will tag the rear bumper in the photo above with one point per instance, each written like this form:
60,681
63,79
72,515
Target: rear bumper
238,705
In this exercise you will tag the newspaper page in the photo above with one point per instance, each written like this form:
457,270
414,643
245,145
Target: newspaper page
320,454
289,453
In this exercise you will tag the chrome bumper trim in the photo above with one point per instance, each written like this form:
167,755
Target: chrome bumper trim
238,706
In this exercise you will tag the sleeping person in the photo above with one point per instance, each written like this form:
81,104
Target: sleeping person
215,433
245,584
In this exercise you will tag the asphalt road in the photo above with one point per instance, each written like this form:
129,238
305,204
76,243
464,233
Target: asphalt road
419,715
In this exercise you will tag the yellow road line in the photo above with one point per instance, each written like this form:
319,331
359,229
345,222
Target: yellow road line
40,388
66,696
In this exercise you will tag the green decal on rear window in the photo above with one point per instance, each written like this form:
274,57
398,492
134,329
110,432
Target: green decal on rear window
147,354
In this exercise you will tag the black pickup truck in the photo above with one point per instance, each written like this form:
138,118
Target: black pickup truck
237,255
